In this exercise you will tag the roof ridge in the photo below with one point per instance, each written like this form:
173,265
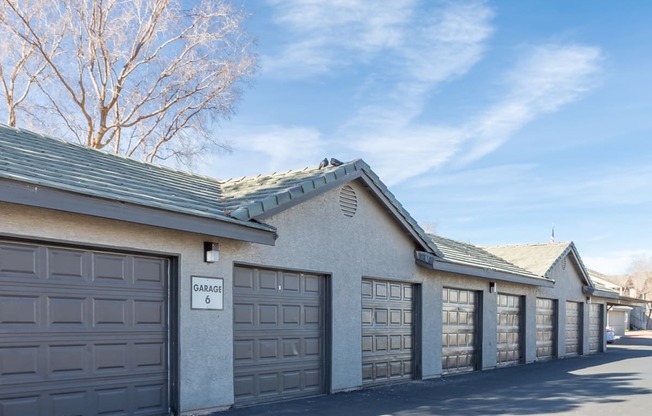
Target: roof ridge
527,244
278,173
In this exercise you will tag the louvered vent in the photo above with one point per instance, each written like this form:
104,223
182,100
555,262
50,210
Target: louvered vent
348,201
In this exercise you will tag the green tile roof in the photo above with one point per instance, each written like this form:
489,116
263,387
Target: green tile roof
40,160
470,255
36,159
251,197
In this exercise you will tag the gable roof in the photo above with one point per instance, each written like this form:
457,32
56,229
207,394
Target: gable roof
259,197
116,187
601,281
51,173
540,258
465,258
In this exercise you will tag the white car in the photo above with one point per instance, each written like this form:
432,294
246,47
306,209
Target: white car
609,335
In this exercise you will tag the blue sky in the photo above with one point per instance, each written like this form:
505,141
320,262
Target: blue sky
490,121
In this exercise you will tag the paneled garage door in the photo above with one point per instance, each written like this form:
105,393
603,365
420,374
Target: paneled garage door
546,328
387,331
82,332
279,331
573,328
509,347
460,330
596,329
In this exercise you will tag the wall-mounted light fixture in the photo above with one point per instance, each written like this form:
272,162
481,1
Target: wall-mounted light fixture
588,299
492,287
211,252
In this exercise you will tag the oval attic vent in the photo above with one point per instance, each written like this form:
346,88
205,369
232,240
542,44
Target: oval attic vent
348,201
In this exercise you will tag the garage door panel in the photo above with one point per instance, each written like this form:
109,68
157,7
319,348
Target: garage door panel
573,328
148,398
63,311
596,328
510,320
278,334
459,330
277,383
387,331
149,272
19,262
546,328
81,336
18,311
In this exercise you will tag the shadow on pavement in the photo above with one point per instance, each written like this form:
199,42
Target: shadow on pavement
558,386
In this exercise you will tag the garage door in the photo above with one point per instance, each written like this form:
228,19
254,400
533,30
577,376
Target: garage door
387,331
461,328
82,332
573,327
546,328
278,329
509,330
596,329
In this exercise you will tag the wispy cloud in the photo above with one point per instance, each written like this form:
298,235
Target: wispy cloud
411,49
330,34
267,149
548,77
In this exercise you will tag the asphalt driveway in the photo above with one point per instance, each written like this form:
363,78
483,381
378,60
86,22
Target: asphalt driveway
618,382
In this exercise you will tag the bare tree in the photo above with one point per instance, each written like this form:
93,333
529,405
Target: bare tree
640,275
144,78
20,65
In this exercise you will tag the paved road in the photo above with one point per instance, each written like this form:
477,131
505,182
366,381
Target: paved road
616,383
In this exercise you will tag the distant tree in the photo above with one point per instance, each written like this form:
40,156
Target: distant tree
143,78
640,275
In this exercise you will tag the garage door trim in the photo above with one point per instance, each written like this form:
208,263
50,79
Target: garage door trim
326,331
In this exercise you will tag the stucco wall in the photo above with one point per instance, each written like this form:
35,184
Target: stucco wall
489,314
317,236
206,370
313,236
568,287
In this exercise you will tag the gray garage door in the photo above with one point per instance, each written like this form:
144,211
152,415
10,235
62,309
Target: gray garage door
509,347
82,332
573,328
460,330
278,329
546,328
596,328
387,331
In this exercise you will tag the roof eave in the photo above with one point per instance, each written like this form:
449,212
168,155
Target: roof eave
600,293
431,262
50,198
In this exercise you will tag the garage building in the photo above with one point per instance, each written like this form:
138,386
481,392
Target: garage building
133,288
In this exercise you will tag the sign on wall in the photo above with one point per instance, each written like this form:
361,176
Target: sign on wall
207,293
